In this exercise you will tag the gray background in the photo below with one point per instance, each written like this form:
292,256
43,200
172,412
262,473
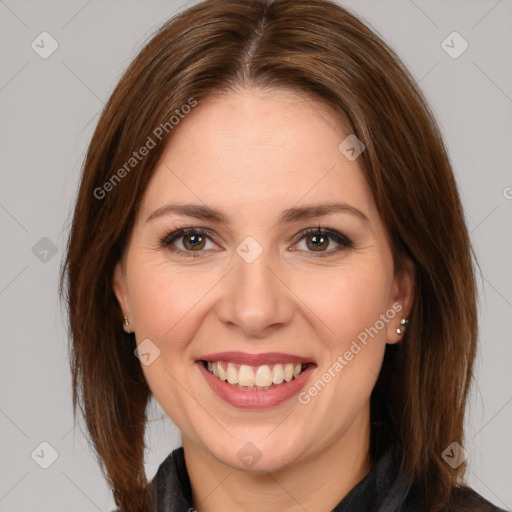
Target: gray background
49,108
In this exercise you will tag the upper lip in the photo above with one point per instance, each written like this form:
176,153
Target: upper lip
256,359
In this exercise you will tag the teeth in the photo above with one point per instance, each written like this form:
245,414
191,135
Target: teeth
248,377
263,376
232,374
277,374
220,370
288,372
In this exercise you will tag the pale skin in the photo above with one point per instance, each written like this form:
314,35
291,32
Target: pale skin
252,154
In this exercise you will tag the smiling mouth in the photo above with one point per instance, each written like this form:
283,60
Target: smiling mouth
255,378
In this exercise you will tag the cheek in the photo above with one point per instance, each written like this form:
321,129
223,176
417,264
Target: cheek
165,301
163,309
345,301
353,308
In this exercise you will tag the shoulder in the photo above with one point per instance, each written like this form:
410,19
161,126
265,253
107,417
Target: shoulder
466,499
463,499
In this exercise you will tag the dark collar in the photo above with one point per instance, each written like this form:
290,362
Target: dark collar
382,490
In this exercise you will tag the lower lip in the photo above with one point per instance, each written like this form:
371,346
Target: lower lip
252,399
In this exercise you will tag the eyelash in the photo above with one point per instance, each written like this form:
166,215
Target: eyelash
169,238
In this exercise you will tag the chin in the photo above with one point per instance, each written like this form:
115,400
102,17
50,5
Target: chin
258,456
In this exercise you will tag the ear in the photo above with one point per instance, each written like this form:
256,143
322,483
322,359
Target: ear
121,291
402,296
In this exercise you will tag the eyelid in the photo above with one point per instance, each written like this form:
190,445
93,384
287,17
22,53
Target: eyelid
329,232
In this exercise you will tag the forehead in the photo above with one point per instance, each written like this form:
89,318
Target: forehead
251,150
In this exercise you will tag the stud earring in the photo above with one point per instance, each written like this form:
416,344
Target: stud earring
403,326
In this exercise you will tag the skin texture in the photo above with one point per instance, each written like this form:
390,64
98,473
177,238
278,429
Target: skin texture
252,154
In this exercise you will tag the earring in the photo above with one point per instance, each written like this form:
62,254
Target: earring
126,324
403,323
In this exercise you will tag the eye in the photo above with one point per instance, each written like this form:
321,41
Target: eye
318,239
194,240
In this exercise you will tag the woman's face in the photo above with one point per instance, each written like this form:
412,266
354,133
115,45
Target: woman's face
255,284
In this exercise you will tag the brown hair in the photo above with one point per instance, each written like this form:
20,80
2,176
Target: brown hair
319,48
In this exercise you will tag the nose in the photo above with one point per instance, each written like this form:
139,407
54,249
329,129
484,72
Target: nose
255,299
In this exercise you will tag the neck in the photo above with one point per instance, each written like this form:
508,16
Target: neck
318,481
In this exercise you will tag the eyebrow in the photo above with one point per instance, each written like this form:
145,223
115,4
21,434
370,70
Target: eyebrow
287,216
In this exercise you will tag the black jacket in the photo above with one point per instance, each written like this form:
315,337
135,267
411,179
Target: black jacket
382,490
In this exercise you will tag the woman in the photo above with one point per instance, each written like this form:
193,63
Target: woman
268,239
